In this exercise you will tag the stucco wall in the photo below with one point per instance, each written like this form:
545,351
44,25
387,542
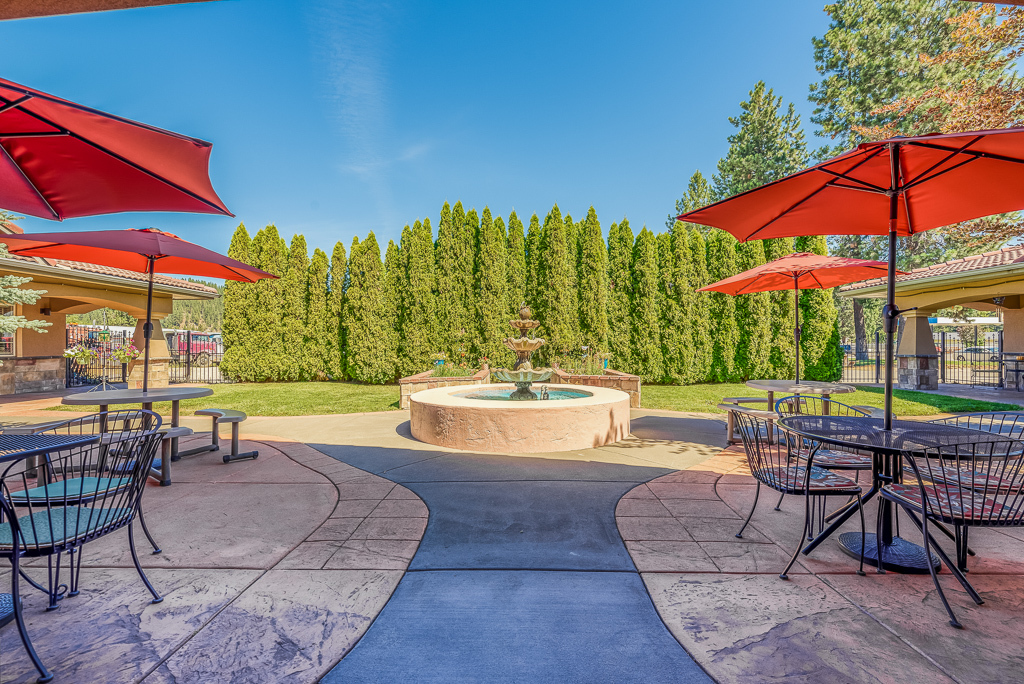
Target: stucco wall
1013,330
50,343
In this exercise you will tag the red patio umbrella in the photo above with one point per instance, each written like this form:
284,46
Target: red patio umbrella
145,250
800,271
898,186
61,160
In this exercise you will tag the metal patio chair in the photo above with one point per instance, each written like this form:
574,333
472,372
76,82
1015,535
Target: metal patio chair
108,483
965,485
774,464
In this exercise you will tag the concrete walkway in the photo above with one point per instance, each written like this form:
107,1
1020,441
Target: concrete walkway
521,575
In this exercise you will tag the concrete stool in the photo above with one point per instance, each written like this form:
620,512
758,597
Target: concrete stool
169,435
226,416
729,403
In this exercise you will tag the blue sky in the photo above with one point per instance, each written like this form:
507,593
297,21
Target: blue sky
334,118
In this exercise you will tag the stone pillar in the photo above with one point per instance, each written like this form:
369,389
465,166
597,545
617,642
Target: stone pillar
917,359
159,357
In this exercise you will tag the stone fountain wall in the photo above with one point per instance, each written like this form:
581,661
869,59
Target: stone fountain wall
412,384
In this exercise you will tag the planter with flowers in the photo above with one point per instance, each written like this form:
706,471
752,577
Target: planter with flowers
445,373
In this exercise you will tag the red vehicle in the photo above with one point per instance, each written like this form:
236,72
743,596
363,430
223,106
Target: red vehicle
204,347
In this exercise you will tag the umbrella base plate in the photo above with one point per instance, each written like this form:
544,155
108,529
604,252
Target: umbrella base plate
899,556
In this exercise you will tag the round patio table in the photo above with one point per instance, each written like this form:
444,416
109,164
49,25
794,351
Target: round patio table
137,396
868,434
825,389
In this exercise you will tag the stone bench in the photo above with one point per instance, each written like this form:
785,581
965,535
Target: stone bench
219,416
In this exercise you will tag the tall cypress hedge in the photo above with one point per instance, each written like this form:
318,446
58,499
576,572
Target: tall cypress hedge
239,354
293,325
339,282
419,326
645,310
516,270
317,346
725,334
821,357
370,337
620,284
592,276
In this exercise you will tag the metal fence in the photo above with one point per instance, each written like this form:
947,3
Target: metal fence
104,365
195,356
978,360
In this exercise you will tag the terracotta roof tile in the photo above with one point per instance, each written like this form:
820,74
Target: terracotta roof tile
1001,257
132,275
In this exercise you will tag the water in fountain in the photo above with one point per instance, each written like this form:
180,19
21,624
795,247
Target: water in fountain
523,374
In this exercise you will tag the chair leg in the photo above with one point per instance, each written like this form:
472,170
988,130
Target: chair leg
157,598
142,519
781,497
807,523
935,578
863,536
44,674
757,493
74,569
878,539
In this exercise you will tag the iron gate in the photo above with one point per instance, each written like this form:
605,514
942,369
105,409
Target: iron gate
103,364
195,356
978,360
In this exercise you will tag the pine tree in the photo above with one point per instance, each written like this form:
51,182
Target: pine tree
557,307
370,338
620,284
239,353
699,193
336,327
492,305
419,333
450,303
592,275
703,326
265,329
293,323
516,270
533,262
645,311
725,334
819,323
317,353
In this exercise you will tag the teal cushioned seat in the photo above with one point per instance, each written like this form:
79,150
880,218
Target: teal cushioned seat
72,488
61,525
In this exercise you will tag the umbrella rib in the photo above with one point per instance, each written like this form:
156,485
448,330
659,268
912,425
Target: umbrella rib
30,183
872,186
128,162
921,179
789,209
13,104
834,184
89,110
939,163
972,153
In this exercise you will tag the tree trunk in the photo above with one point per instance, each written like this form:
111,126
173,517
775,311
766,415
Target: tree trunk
861,340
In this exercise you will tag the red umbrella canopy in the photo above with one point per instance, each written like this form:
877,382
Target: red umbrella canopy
60,160
132,249
803,271
939,180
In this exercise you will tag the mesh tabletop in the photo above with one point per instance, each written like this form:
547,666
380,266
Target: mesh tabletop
867,433
20,446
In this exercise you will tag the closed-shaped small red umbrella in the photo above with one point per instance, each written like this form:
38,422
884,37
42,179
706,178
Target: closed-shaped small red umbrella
145,250
800,271
59,159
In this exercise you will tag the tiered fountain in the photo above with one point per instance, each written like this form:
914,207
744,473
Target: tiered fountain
494,418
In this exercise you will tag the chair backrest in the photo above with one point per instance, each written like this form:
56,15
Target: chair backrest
78,494
770,461
1009,423
979,484
812,405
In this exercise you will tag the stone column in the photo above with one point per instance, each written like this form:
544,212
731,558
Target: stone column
917,359
159,357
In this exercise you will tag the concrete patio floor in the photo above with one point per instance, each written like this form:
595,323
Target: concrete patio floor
574,566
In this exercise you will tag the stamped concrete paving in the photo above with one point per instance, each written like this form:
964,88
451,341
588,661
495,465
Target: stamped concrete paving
522,575
722,597
272,569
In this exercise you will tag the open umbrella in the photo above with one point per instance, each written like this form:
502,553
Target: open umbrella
898,186
60,160
800,271
145,250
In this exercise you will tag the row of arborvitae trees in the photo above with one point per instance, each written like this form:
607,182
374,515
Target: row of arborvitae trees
356,316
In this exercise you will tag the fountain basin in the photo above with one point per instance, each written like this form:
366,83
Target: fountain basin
443,418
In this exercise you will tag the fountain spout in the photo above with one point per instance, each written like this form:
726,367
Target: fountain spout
523,374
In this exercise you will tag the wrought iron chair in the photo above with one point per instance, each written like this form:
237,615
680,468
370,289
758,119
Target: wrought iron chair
773,464
83,475
51,526
965,485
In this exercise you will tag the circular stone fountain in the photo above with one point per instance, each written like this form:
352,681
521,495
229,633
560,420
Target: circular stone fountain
512,418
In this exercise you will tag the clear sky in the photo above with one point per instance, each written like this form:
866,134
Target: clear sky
333,118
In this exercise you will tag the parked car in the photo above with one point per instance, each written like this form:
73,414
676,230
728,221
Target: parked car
205,347
978,354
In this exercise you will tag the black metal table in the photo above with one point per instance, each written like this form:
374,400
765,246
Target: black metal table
19,447
866,434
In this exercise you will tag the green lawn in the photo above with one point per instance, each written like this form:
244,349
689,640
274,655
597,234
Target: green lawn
705,398
284,399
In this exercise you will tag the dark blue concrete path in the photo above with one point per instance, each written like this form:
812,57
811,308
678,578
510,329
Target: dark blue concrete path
521,575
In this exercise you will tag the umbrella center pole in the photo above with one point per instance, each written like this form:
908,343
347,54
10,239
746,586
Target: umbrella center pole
796,328
147,328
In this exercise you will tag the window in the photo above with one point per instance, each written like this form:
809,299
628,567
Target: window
6,338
